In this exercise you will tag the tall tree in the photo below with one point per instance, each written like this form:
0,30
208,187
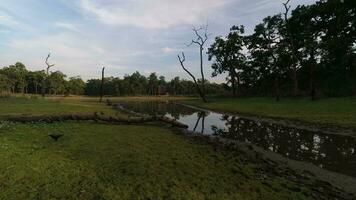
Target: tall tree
49,66
292,47
265,43
229,56
200,40
306,22
152,84
197,86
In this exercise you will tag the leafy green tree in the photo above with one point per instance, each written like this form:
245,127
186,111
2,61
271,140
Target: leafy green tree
17,77
56,83
5,87
152,84
265,46
75,85
229,56
35,80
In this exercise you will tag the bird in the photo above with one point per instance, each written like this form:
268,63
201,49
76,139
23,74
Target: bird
56,136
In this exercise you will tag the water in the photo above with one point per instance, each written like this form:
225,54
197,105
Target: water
332,152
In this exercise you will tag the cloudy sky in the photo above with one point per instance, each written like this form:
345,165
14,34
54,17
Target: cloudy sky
122,35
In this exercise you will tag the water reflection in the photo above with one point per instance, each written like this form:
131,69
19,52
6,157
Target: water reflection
332,152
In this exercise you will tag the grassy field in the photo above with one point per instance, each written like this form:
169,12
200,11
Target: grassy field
102,161
338,111
98,161
22,105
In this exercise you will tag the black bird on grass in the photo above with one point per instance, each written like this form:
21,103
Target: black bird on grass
56,136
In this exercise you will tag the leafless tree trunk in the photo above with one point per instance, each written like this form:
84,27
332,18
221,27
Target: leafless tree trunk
47,75
48,65
182,60
200,41
102,84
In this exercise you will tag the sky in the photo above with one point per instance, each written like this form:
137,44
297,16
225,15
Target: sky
123,35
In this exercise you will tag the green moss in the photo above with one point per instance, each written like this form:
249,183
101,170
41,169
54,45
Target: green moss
97,161
339,111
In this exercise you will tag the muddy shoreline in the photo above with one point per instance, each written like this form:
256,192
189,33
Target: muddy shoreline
329,185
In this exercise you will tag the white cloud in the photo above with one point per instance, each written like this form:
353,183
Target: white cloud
7,20
152,14
68,26
72,55
168,50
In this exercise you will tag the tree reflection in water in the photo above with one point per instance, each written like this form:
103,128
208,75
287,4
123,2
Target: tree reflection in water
336,153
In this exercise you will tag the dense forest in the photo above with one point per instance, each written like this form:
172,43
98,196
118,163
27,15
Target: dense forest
310,50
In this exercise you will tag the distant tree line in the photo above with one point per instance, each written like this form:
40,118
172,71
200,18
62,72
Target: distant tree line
137,84
17,79
310,50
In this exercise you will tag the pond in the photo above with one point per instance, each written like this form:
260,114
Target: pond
332,152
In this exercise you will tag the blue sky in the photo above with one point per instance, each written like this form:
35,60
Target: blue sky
122,35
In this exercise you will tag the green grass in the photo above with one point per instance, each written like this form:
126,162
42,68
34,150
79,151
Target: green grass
22,105
98,161
339,111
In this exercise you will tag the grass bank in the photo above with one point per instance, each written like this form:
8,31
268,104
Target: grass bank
337,111
97,161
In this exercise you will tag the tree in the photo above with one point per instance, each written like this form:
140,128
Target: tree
152,84
265,46
292,48
75,85
44,86
306,22
200,41
35,80
56,83
197,86
175,86
16,75
5,87
229,56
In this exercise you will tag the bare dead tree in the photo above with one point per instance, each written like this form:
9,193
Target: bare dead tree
44,84
295,57
182,60
102,84
200,40
48,65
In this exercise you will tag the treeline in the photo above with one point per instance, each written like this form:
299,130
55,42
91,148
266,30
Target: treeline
310,50
17,79
137,84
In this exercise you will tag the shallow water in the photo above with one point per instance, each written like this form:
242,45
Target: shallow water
332,152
